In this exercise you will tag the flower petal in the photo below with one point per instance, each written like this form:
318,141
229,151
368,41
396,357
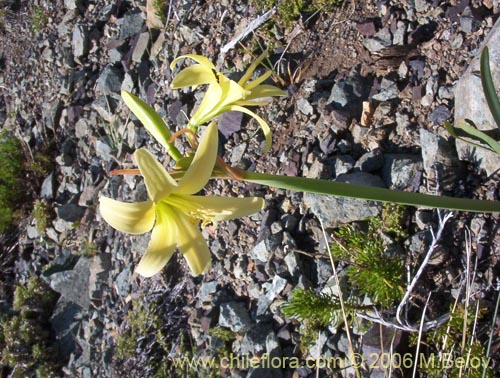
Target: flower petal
225,208
259,80
265,90
194,75
248,74
198,58
158,182
200,170
192,245
263,124
162,244
209,102
149,118
132,218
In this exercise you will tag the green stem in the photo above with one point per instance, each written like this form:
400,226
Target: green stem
342,189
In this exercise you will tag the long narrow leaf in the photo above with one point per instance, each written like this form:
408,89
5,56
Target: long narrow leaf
343,189
488,86
471,130
454,133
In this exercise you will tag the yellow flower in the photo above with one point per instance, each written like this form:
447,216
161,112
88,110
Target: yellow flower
173,212
224,94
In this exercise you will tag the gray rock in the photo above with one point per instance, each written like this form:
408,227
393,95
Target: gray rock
343,164
293,264
72,4
65,321
140,47
109,82
103,150
470,103
348,94
304,106
276,288
254,341
229,123
234,315
376,341
388,90
82,128
439,160
207,290
264,249
79,42
402,171
237,153
122,282
370,161
439,115
47,190
70,212
379,41
73,284
334,211
131,25
323,271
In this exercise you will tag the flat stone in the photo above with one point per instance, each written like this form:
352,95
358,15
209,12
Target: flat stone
140,47
131,25
73,284
334,211
370,161
79,42
70,212
440,160
402,172
305,106
265,301
109,82
379,41
470,103
47,190
234,315
440,114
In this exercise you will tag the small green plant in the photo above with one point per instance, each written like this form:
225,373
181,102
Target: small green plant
290,10
317,308
43,214
88,248
372,270
42,163
11,173
454,341
39,17
25,343
161,9
139,320
222,333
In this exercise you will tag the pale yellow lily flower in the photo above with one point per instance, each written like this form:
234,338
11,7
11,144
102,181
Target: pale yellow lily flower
224,94
173,212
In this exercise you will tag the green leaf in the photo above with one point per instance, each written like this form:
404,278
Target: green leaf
488,86
473,131
342,189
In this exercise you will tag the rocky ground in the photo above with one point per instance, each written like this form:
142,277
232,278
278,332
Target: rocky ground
63,64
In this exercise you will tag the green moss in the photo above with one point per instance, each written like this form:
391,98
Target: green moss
222,333
25,344
11,174
43,215
290,10
161,9
39,18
